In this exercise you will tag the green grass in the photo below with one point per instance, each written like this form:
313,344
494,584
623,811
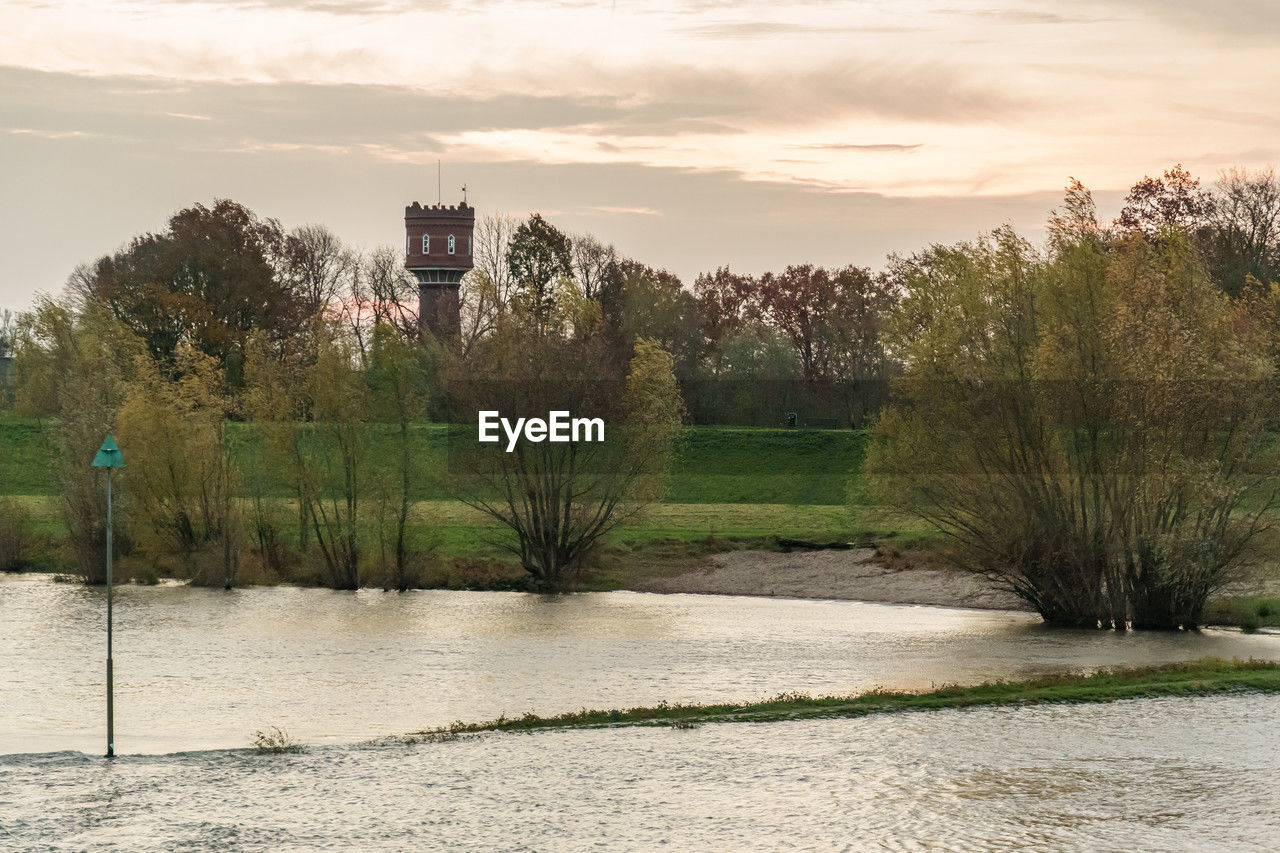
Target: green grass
1199,678
726,483
1250,612
26,456
713,465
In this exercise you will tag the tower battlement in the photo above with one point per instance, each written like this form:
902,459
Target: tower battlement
462,211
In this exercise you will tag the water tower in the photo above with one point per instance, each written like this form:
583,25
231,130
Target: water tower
438,251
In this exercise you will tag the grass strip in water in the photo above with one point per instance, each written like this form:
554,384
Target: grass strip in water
1207,677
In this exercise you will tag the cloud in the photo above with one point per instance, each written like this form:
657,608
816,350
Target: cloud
850,146
774,29
664,102
1254,19
634,211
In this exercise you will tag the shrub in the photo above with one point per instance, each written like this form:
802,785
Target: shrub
274,740
1088,426
17,543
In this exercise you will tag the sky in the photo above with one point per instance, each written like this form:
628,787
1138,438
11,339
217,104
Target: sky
692,134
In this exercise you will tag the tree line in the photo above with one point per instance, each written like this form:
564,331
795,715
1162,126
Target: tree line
1088,421
1092,422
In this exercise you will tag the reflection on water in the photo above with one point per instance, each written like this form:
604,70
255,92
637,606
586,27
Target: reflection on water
1157,774
201,669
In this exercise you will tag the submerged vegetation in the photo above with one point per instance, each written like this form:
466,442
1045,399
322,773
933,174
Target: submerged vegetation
274,740
1206,677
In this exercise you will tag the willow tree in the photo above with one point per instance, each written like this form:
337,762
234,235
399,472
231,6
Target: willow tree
1086,425
334,452
397,374
76,366
555,500
172,426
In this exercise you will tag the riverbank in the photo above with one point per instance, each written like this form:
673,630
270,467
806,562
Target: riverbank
856,574
1206,677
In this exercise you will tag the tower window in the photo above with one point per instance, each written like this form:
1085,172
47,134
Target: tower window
451,244
408,244
426,244
468,245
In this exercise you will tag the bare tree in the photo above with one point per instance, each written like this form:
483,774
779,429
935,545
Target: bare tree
487,289
319,267
392,290
555,500
591,260
480,308
1247,228
492,240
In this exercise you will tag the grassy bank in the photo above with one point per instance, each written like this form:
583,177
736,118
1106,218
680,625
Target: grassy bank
1199,678
712,465
729,486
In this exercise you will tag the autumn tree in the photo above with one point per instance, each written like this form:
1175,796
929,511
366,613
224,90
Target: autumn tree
392,291
179,475
76,366
318,268
639,301
1086,427
209,279
1174,201
334,452
275,403
726,301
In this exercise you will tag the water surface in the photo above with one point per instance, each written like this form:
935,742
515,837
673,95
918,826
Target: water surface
200,669
1151,775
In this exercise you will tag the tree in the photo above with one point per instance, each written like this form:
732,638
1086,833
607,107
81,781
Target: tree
275,402
556,499
590,260
1174,201
8,340
210,279
860,362
397,378
319,268
1246,229
76,367
179,475
642,302
8,333
393,291
491,248
726,301
537,257
1087,428
333,448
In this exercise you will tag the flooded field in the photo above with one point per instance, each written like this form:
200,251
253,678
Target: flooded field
202,669
1158,774
199,670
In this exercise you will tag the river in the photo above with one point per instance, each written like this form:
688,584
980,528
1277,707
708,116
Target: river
198,670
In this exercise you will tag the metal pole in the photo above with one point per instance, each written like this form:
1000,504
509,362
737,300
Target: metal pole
111,736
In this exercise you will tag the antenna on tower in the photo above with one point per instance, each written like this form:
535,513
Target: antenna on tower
464,193
439,195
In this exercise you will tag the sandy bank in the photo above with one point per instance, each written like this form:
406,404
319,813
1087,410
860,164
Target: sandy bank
850,575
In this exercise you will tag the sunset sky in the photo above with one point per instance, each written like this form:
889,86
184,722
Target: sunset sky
691,134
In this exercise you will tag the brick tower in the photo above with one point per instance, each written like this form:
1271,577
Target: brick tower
438,251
